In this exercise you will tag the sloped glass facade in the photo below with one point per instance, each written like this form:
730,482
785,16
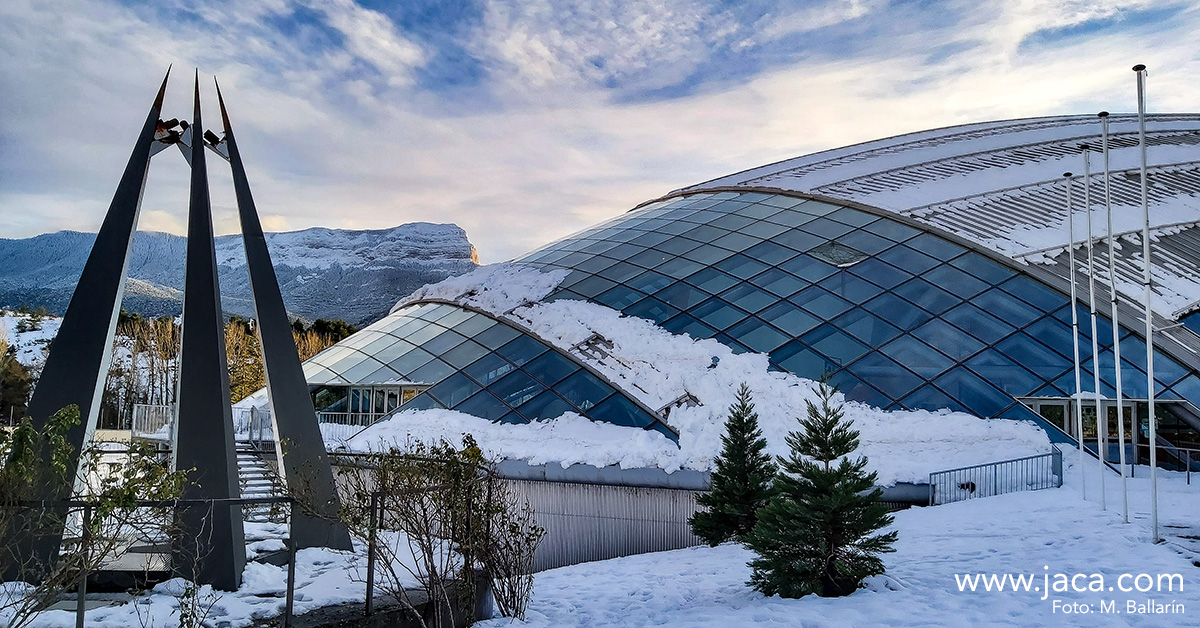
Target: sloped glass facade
476,365
899,317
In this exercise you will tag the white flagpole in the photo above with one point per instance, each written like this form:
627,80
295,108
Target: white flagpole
1147,281
1116,329
1091,305
1075,329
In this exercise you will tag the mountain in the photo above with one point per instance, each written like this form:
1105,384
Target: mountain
355,276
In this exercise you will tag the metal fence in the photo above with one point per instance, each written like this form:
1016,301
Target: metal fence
151,421
1030,473
254,425
1170,458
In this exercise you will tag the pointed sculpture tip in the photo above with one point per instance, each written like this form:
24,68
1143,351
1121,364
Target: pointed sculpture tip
196,115
221,104
162,90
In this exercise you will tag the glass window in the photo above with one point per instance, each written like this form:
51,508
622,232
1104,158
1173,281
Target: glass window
712,281
420,336
820,302
917,356
394,352
908,260
799,240
748,297
980,397
443,342
735,241
926,295
879,273
765,230
852,217
591,267
828,229
707,254
779,283
489,369
791,218
789,318
857,390
808,268
835,344
620,411
456,317
682,296
411,361
741,266
733,222
545,406
867,327
849,287
583,390
718,313
769,253
886,375
797,358
676,246
897,311
484,405
1004,372
550,368
652,309
679,268
496,336
757,335
516,388
982,267
477,324
619,297
620,272
650,258
1033,292
464,354
949,339
454,390
978,323
521,350
593,285
649,282
704,233
423,402
955,281
686,324
433,371
866,242
891,230
935,246
929,397
1002,305
1034,356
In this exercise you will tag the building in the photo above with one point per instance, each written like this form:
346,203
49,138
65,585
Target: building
923,271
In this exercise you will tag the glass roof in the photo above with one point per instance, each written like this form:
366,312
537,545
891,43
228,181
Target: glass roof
476,365
897,316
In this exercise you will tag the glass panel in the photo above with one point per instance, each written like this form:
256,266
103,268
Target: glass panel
443,342
583,389
929,297
891,230
1003,306
928,397
748,297
879,273
423,402
620,272
496,336
736,241
955,281
908,260
1033,292
483,405
866,242
770,253
917,356
935,246
827,229
359,371
489,369
682,296
521,350
982,268
550,367
411,361
1034,356
886,375
866,327
679,268
712,281
808,268
897,311
779,283
821,302
757,335
431,372
799,359
839,347
650,282
798,240
592,286
454,390
652,309
979,324
852,288
516,388
717,313
707,254
685,324
789,318
620,411
619,297
949,339
545,406
857,390
477,324
1004,372
464,354
977,395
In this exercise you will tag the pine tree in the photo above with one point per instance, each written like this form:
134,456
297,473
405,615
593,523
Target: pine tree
741,483
819,531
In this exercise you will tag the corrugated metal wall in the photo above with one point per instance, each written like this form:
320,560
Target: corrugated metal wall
586,522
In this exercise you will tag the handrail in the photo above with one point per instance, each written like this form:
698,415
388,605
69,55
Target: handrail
1028,473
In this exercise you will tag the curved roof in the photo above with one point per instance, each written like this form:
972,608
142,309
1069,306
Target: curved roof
1000,185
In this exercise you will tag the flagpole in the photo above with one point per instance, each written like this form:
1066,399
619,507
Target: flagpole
1087,200
1147,282
1116,329
1075,328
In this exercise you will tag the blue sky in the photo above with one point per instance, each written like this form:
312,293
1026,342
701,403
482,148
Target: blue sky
524,121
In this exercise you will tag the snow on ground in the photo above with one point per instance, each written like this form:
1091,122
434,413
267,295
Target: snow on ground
30,345
1044,532
658,367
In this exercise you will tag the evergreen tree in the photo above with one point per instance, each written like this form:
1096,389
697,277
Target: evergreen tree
819,531
741,483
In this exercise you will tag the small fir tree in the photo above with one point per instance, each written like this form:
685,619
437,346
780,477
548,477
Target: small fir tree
819,531
741,483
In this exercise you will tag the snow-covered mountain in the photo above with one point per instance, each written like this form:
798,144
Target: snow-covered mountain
324,273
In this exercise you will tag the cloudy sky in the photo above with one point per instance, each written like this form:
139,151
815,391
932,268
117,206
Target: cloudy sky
526,120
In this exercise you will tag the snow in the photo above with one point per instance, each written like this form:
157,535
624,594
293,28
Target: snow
495,288
30,346
1051,531
658,367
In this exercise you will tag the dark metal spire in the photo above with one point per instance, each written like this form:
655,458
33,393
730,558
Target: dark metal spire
301,449
211,546
80,354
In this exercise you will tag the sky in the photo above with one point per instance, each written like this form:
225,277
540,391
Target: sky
527,120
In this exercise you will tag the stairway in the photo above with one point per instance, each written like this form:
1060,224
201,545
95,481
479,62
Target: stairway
256,479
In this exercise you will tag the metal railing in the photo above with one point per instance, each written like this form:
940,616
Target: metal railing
1170,458
254,425
1030,473
361,419
149,420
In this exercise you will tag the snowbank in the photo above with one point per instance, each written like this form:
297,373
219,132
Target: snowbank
495,288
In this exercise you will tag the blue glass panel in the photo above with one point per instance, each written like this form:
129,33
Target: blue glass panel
796,358
1033,292
729,341
866,242
583,389
928,397
704,233
1004,372
516,388
593,286
748,297
676,246
1188,388
735,241
850,287
475,325
489,368
770,253
686,324
483,405
682,296
879,273
1034,356
454,390
650,258
856,390
789,318
956,281
852,217
828,229
758,212
545,406
757,335
619,410
717,313
917,356
779,283
1053,333
393,352
907,259
821,302
620,272
679,268
456,317
496,336
650,239
782,201
550,368
866,327
650,282
808,268
464,354
928,296
978,323
835,344
1002,305
423,402
935,246
791,218
733,222
891,230
897,311
619,297
980,397
410,361
983,268
443,342
652,309
359,371
741,266
1191,321
433,371
712,281
948,339
886,375
799,240
521,350
421,335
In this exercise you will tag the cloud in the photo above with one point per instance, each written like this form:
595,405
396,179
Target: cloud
339,130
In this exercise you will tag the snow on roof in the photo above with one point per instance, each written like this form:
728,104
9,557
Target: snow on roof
999,184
